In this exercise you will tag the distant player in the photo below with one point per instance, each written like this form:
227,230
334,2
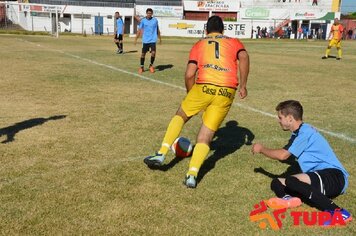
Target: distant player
119,32
323,176
335,37
215,60
148,27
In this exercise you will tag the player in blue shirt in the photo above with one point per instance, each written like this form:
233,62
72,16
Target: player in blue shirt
323,177
119,32
148,27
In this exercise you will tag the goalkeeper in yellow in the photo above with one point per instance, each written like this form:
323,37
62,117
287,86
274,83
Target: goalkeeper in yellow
335,39
211,82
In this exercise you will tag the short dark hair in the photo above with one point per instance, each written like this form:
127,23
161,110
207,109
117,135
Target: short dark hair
149,10
215,24
291,107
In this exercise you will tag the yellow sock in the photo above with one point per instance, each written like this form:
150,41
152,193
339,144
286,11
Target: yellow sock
201,151
327,52
339,52
173,130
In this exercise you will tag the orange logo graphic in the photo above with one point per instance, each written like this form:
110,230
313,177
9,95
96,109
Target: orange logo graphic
260,214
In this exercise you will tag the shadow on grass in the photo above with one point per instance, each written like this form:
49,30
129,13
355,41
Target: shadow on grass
168,166
227,140
132,51
291,170
12,130
163,67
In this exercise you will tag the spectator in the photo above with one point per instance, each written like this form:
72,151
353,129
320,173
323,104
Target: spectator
289,31
300,32
315,3
320,33
305,32
349,34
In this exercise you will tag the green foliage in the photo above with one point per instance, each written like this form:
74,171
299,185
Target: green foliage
349,16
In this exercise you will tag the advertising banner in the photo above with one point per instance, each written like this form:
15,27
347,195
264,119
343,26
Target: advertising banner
222,6
161,11
307,14
187,28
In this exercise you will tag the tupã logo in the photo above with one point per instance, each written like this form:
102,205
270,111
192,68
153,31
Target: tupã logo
260,214
299,217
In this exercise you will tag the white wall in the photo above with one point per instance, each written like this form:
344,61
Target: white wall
22,16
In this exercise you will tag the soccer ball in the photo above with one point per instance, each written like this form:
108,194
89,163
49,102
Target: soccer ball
182,147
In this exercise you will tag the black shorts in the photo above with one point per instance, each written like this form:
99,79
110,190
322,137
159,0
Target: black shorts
147,46
118,37
330,181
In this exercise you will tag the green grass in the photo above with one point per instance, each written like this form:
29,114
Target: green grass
83,174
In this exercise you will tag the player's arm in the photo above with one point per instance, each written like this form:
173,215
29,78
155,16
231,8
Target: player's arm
190,75
276,154
341,32
115,33
330,34
138,34
244,68
159,35
138,18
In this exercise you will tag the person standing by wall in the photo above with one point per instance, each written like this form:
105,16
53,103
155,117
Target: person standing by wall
119,33
148,27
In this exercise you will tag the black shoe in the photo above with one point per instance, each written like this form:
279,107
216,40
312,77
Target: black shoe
338,58
154,161
324,57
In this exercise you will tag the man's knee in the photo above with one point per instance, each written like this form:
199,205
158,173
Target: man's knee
205,135
292,181
276,184
182,114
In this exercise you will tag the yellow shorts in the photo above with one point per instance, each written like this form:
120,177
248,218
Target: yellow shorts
335,43
214,100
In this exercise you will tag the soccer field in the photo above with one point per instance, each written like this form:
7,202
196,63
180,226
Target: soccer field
77,120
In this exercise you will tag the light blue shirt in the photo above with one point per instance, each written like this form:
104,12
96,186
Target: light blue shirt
120,26
313,152
150,30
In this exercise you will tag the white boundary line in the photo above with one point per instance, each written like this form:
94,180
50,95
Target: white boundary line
331,133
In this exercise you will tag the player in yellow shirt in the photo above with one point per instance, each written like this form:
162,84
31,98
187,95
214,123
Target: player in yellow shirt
215,60
335,39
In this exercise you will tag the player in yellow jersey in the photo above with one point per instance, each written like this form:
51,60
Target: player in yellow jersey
215,61
335,39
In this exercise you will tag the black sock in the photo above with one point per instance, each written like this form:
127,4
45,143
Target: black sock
121,46
152,60
118,45
278,188
142,61
311,194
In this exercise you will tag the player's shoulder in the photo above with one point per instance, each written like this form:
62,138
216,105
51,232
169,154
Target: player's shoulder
227,38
